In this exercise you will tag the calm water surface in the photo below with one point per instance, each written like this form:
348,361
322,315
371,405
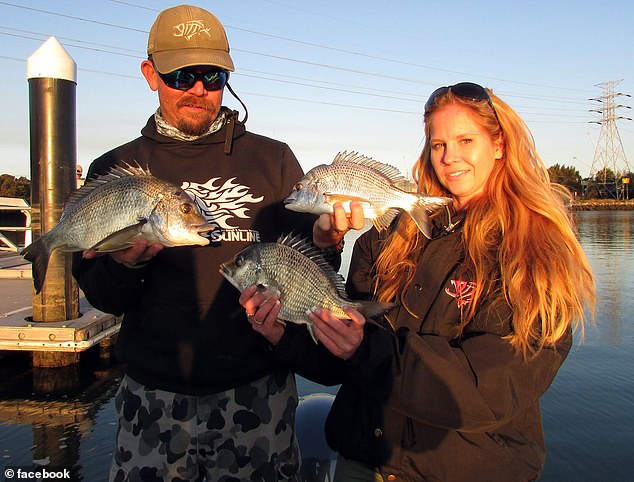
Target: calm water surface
588,411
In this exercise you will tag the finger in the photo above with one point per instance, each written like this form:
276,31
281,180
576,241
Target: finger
341,223
357,217
261,307
89,254
152,251
271,318
324,222
265,308
246,295
331,340
132,254
341,337
357,318
330,326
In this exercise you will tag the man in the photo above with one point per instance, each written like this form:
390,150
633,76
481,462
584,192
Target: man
201,397
78,173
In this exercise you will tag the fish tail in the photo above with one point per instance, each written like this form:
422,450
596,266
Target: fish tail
421,217
421,210
38,253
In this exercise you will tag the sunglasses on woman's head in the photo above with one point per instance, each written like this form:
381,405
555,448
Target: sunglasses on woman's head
185,79
464,90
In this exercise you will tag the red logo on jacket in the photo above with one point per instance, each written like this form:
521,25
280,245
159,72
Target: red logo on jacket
463,292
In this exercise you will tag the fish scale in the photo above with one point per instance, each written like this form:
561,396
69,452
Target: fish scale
296,268
279,264
380,189
111,212
126,209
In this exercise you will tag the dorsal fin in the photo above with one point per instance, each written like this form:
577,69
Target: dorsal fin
390,172
312,252
115,172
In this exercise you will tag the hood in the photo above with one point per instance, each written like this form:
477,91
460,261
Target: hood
232,129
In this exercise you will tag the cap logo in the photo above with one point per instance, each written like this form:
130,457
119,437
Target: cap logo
190,29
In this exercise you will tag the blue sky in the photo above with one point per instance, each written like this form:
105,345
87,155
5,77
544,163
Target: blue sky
338,75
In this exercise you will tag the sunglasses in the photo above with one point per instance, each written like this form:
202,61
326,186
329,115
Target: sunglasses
185,79
464,90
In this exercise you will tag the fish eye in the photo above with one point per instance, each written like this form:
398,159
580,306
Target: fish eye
298,187
186,208
239,261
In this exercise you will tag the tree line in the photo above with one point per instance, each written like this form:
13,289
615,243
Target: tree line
18,187
605,184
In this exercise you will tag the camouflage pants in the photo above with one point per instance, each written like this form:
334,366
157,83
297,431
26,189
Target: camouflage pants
243,434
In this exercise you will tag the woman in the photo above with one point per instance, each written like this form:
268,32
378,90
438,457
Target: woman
449,390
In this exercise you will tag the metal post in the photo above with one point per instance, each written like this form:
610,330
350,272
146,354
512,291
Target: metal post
51,75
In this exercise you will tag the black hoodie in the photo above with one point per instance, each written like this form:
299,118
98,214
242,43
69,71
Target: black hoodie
183,329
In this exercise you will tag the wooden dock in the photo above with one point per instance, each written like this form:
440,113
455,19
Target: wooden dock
18,332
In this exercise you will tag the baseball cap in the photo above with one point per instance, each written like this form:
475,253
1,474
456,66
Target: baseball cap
186,35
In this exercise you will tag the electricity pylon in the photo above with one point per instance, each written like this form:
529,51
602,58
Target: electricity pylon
609,155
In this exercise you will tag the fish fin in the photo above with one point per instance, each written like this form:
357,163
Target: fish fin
115,172
425,206
368,210
343,198
38,253
390,172
308,249
309,326
384,220
124,238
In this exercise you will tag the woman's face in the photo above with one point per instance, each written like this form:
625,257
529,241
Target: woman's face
462,152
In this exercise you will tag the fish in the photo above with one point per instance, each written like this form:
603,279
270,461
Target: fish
296,268
113,210
380,188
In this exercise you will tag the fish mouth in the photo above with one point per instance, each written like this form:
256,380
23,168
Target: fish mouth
224,270
292,204
204,228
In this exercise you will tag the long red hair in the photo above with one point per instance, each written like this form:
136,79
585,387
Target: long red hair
519,237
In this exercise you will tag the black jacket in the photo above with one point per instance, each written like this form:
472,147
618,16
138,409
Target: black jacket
183,329
422,403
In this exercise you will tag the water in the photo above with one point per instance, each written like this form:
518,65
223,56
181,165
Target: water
588,411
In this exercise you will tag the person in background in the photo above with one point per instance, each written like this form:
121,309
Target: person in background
448,388
78,175
200,398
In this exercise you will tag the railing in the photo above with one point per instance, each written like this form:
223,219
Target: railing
12,205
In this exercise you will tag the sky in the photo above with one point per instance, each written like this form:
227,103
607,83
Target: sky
331,76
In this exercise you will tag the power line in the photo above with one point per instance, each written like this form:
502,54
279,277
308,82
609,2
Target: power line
288,39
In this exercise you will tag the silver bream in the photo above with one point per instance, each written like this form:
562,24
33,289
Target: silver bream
305,280
112,211
380,188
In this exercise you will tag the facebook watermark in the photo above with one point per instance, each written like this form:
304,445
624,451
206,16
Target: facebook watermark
36,473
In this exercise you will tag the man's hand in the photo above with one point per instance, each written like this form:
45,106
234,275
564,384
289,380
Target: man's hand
141,252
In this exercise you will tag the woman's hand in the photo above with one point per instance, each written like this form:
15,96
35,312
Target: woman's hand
262,311
340,337
329,229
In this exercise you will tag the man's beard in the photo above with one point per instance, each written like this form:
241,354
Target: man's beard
199,124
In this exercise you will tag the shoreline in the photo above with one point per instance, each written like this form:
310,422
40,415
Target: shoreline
602,205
